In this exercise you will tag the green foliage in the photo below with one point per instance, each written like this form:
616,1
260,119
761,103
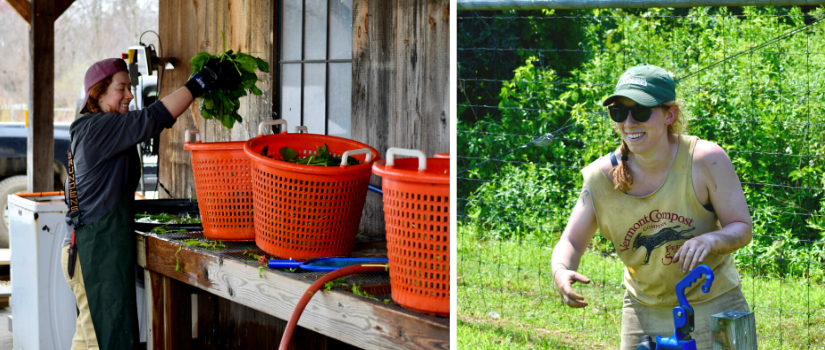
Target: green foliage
549,36
321,157
205,244
164,218
334,283
765,108
165,229
223,104
356,289
177,262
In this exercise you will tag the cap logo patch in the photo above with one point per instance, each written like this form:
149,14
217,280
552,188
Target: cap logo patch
632,80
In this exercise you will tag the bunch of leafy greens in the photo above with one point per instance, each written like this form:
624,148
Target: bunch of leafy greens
164,218
166,229
320,158
223,104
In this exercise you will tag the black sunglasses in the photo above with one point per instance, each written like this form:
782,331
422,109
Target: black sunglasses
640,113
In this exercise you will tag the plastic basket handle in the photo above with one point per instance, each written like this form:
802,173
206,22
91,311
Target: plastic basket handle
266,123
354,152
188,133
303,128
422,159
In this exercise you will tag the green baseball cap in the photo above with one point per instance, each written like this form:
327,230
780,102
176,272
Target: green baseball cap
647,85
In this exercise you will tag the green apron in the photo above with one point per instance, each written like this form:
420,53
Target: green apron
106,248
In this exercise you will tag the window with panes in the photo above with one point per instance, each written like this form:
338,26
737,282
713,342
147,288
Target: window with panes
315,63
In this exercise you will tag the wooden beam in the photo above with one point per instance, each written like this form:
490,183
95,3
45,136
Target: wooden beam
343,316
61,6
23,8
40,142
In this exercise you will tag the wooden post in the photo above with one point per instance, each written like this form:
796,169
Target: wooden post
177,314
734,330
40,154
155,332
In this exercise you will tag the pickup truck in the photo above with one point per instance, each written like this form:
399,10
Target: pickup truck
13,166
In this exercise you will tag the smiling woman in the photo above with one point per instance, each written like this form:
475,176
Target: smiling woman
110,95
99,251
118,95
668,202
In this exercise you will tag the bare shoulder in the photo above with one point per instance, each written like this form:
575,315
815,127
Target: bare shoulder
604,165
709,156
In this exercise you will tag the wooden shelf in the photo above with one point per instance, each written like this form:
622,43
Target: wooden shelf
341,315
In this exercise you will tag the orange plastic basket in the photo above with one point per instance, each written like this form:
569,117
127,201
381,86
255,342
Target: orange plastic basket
307,211
223,187
416,213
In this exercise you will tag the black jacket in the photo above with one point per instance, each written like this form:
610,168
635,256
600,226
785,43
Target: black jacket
105,154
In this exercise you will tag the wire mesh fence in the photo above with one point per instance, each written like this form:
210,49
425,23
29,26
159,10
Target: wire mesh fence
530,87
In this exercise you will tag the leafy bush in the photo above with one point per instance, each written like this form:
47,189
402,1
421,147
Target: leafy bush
766,108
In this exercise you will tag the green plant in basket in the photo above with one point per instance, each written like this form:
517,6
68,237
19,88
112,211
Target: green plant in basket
223,104
320,158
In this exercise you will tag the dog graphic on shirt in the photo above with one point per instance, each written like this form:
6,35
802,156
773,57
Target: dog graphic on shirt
658,239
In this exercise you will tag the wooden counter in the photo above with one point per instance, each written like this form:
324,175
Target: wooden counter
184,306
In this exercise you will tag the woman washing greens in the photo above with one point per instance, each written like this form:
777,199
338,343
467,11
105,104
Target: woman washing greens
668,202
106,172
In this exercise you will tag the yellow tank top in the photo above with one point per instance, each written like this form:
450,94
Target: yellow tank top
647,231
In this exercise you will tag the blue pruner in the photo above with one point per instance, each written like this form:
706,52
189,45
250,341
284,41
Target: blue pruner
683,314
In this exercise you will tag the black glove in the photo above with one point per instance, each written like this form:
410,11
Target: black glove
202,82
214,75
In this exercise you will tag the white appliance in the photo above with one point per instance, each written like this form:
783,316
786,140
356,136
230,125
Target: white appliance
42,305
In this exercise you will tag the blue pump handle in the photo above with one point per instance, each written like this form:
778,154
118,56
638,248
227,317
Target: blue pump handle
690,279
683,314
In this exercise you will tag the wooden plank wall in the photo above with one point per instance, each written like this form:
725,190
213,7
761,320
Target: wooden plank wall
400,84
189,27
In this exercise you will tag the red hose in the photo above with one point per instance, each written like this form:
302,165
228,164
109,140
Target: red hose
299,309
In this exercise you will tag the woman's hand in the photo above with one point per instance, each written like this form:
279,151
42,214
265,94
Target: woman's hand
564,280
693,252
568,251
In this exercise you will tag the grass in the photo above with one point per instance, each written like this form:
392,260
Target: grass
507,300
480,334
